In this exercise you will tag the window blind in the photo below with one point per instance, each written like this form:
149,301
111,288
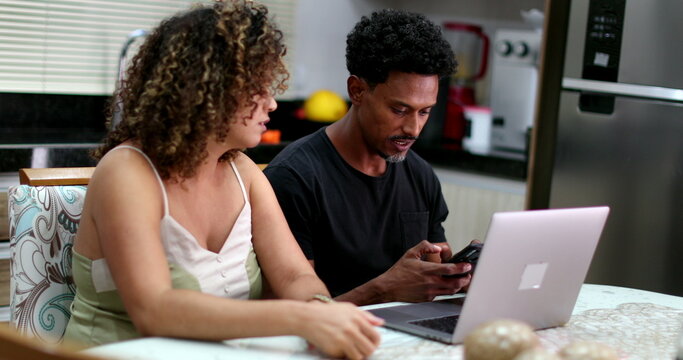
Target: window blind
73,47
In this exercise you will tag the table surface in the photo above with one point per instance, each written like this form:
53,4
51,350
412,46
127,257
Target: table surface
639,324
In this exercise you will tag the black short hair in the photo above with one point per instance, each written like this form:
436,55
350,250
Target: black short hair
395,40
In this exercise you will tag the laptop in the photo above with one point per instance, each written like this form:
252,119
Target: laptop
531,268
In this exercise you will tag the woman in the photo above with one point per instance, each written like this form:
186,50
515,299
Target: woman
176,216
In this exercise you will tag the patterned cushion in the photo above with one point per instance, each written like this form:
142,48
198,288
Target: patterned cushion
42,224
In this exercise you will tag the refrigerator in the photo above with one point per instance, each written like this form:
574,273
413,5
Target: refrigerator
619,137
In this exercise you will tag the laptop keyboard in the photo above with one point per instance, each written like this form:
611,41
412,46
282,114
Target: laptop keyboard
444,324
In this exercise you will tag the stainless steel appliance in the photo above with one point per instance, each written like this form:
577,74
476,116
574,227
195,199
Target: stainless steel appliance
513,88
620,136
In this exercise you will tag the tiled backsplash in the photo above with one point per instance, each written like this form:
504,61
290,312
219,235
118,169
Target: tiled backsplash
50,118
49,130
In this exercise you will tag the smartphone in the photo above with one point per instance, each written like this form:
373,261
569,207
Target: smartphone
469,254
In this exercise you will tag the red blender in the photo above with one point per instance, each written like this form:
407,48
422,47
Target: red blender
471,48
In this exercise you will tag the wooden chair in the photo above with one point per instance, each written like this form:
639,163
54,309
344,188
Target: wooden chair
63,176
56,176
44,212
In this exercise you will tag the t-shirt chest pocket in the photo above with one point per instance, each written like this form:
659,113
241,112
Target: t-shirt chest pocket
414,227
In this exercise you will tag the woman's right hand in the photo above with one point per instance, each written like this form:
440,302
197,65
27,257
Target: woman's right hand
342,330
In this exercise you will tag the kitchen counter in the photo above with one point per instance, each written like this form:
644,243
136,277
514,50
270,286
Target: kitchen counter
14,157
498,164
509,166
59,130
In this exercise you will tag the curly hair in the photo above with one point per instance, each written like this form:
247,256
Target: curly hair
191,75
395,40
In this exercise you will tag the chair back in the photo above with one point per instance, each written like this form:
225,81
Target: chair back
44,212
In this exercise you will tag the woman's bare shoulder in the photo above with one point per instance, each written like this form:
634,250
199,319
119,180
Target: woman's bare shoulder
245,165
251,173
123,169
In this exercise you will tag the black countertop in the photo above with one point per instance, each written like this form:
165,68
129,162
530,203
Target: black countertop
502,165
15,157
42,130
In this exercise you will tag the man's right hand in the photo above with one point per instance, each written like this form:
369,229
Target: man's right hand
412,279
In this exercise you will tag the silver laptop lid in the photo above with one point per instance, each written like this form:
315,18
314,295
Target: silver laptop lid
532,267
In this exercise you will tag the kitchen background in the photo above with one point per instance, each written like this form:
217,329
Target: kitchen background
59,62
606,111
480,137
55,116
564,114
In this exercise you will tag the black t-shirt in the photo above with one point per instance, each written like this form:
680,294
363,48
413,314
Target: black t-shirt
354,226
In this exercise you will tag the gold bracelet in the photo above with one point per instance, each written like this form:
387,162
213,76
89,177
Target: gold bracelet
322,298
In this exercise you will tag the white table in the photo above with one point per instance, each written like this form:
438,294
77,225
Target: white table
639,324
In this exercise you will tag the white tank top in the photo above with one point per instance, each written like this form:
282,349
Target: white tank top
223,273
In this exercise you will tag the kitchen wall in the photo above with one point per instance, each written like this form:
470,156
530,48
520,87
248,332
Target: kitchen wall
322,25
320,44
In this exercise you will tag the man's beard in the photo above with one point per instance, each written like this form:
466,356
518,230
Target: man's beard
396,158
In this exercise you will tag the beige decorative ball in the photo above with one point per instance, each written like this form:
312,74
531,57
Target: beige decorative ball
499,340
588,350
537,353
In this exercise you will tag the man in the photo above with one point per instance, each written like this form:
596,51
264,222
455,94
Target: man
358,200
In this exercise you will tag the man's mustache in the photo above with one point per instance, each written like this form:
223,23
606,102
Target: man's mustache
402,137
